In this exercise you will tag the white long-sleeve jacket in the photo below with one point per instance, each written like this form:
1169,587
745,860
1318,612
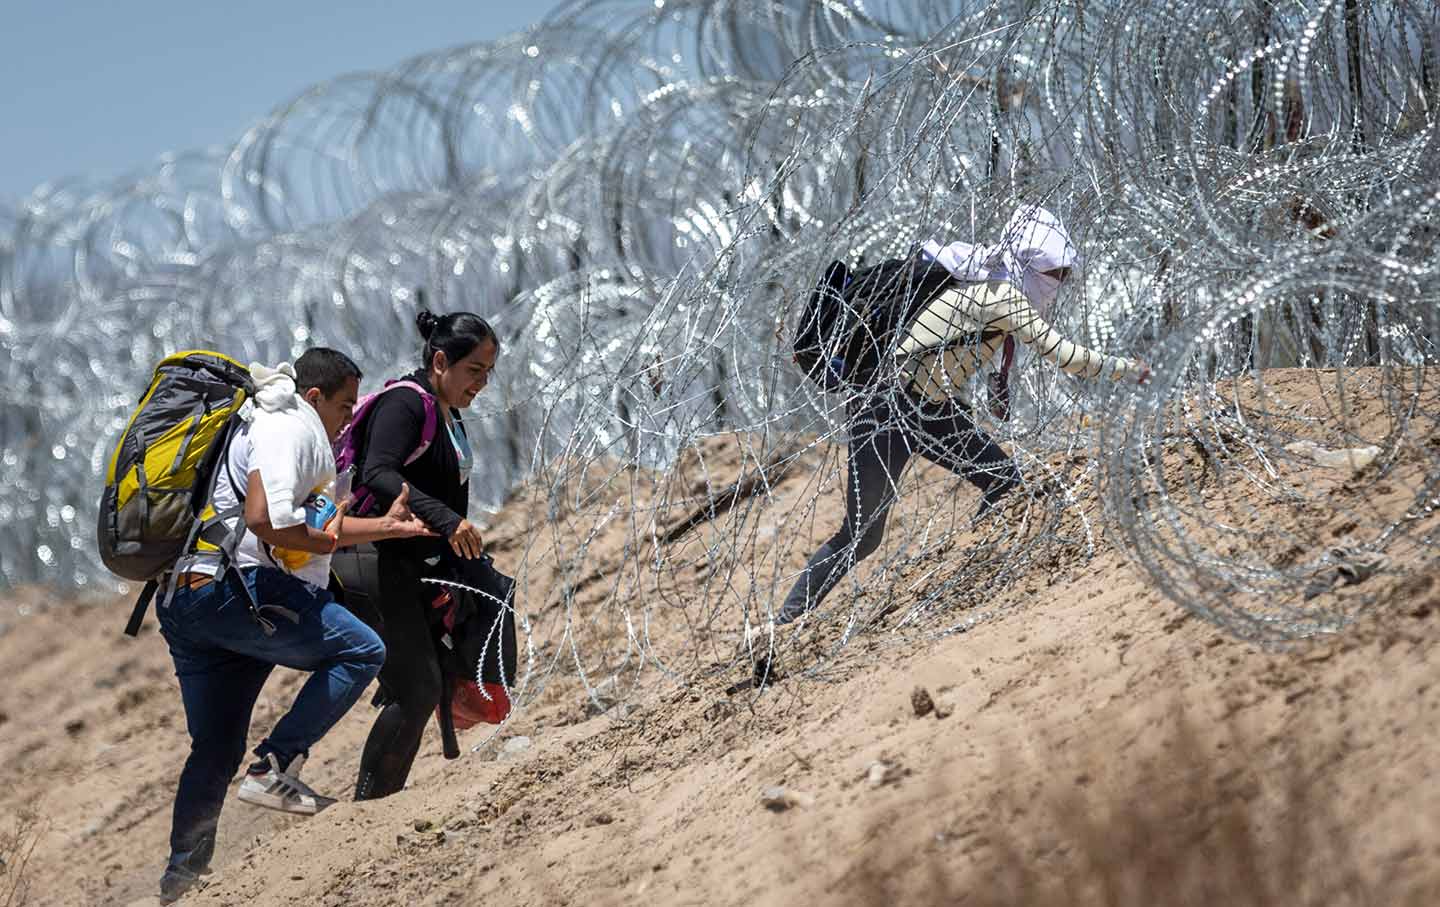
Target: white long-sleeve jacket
961,330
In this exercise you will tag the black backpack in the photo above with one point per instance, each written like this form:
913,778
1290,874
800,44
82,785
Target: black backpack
472,617
853,319
476,647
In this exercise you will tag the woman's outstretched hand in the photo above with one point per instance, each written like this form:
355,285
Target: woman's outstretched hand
466,542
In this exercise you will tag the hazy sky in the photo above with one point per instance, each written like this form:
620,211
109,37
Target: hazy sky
103,88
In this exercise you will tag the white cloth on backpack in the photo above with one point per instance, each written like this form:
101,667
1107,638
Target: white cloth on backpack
1034,241
275,387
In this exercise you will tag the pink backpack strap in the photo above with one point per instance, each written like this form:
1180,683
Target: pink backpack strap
427,431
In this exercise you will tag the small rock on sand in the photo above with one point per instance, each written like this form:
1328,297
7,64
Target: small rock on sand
921,702
778,799
1349,457
882,773
513,747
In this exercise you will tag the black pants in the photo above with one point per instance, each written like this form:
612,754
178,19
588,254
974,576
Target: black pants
885,432
410,681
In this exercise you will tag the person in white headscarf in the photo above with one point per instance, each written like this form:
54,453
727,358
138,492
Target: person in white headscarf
961,330
1001,293
1034,252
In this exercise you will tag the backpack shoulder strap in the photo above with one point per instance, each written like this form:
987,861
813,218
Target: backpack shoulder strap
142,604
432,418
212,530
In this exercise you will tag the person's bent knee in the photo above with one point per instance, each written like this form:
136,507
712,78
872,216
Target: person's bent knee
370,653
869,542
364,650
415,692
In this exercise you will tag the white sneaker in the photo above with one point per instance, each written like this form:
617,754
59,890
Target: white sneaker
282,790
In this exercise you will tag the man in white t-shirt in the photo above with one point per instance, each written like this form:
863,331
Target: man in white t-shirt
270,607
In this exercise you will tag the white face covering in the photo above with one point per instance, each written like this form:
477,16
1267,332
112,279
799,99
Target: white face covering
1036,241
1040,289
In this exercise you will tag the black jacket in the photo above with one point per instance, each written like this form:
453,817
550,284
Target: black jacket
436,493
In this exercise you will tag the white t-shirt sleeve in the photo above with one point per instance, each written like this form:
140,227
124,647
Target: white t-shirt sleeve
278,456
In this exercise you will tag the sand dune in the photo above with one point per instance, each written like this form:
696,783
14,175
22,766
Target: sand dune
1098,745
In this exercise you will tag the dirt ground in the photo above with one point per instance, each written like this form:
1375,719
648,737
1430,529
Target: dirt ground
1088,741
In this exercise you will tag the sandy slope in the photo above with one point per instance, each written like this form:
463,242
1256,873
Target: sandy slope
1086,687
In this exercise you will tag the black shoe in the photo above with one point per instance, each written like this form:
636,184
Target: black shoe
176,881
767,668
184,869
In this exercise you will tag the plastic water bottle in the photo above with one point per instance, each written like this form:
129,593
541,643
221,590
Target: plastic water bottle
319,511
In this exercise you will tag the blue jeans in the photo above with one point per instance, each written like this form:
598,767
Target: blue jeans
885,432
222,658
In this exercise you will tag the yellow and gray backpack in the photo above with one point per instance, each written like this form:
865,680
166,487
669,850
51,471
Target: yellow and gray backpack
156,504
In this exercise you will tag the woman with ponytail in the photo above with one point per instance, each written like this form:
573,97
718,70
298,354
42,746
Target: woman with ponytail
422,414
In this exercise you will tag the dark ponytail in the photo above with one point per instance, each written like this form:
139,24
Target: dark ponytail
456,335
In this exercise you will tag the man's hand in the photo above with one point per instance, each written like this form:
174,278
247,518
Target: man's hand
466,541
400,507
396,523
332,525
400,522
